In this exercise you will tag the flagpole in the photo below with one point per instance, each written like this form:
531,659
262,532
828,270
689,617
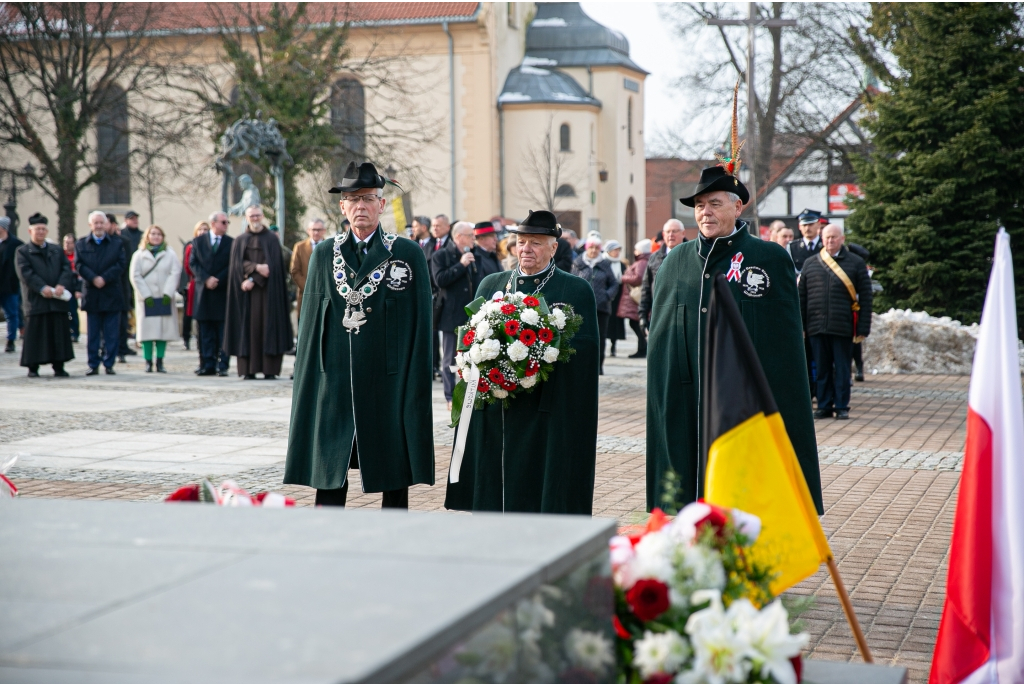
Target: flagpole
851,617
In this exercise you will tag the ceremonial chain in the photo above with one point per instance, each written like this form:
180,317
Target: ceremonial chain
354,315
512,278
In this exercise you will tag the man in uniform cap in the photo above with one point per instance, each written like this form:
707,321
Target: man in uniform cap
539,454
810,226
362,396
760,277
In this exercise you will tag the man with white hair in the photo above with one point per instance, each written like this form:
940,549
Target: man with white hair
674,235
759,274
456,273
529,456
100,260
209,260
835,304
316,230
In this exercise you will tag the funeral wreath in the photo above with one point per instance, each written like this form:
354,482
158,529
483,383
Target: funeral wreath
512,341
691,606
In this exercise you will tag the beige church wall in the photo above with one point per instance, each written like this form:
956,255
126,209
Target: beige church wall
525,126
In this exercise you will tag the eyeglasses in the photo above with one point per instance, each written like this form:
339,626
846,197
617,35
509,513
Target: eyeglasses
365,199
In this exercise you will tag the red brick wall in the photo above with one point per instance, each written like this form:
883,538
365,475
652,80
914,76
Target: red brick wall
661,174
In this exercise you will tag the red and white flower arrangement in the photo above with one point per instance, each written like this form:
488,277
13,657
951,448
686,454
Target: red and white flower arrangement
691,607
229,494
514,340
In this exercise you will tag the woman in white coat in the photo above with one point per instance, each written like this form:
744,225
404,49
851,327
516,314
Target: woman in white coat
155,271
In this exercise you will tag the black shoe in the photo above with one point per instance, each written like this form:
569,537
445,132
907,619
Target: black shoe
121,359
93,372
160,365
149,366
33,374
61,374
269,377
10,346
842,414
74,339
823,413
638,355
110,371
206,372
187,345
222,373
249,377
130,352
859,376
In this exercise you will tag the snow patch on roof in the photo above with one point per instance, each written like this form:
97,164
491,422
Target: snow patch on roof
529,61
514,97
550,21
567,97
534,71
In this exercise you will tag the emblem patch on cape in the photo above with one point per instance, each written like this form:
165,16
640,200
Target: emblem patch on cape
754,281
398,275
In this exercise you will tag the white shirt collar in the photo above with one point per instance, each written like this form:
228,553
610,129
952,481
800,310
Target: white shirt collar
357,239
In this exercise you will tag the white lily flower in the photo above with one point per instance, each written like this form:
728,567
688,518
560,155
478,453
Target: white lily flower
660,653
767,633
517,351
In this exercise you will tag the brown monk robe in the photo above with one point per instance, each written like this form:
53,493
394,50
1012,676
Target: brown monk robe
258,330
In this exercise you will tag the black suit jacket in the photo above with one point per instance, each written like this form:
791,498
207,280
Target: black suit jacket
9,283
564,256
799,253
107,259
209,305
455,285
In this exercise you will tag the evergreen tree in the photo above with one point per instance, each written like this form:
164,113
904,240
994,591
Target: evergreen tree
948,163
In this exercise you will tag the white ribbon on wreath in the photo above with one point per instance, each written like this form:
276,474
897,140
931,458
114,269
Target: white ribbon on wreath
472,378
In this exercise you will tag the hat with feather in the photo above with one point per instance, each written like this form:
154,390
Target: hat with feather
362,176
725,174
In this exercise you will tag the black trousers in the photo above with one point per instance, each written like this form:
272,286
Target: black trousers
858,358
186,328
832,363
123,337
602,331
641,339
393,499
211,352
447,359
435,350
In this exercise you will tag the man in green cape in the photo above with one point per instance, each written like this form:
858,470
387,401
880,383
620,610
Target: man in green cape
361,397
539,454
760,276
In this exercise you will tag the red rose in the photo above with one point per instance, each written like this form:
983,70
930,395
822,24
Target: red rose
532,367
660,678
483,385
496,376
648,599
527,337
469,337
798,666
531,301
620,629
716,518
508,309
512,328
546,335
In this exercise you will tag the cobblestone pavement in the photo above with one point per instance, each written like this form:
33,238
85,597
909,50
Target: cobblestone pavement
890,474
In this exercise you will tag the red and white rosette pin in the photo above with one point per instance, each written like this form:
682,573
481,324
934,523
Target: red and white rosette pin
734,268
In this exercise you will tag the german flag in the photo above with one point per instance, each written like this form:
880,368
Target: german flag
749,462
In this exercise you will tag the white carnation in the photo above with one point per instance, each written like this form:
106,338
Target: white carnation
483,330
519,295
517,351
589,650
528,381
478,317
654,554
460,360
551,355
660,653
500,393
489,349
558,318
530,316
476,353
491,308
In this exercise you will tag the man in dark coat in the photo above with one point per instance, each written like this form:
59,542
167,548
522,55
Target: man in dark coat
127,291
539,454
672,235
362,397
440,228
828,312
257,327
564,255
457,276
209,260
10,288
760,276
101,261
46,286
809,244
485,250
595,269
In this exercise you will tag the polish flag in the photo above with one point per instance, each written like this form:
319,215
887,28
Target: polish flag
981,636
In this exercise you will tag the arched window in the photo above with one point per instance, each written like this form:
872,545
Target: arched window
564,138
565,190
112,148
348,119
629,123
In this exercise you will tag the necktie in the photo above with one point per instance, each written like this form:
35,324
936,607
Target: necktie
216,244
360,246
437,245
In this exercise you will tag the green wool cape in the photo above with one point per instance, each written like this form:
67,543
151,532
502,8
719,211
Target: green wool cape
767,296
539,454
370,389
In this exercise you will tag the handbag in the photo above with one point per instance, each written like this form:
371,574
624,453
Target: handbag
158,308
635,292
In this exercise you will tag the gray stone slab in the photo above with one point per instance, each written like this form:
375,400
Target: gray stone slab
190,592
844,672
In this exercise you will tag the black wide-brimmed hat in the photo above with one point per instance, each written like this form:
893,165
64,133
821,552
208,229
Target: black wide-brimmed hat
541,222
37,218
358,177
717,178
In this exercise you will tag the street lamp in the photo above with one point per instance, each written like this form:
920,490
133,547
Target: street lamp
28,175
